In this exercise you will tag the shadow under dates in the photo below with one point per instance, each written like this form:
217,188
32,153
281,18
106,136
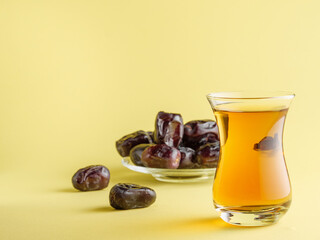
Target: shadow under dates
101,209
67,190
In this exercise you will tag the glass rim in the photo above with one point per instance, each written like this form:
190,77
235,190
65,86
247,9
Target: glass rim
254,95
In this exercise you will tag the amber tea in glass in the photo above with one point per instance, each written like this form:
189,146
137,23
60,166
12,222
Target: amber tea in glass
251,186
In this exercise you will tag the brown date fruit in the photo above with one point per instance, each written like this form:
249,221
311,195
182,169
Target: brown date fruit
126,143
168,129
136,152
208,155
129,196
200,132
187,157
94,177
151,135
161,156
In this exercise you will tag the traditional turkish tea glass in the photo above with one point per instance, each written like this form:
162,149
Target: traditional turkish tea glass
251,186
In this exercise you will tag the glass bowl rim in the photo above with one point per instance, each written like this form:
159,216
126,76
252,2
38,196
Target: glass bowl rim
129,164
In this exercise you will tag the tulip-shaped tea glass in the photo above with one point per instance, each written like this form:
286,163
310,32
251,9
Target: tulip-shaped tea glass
251,186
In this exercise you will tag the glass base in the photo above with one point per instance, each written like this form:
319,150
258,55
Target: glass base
252,216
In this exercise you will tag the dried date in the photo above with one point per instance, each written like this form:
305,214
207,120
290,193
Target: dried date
208,155
161,156
136,153
129,196
126,143
168,129
94,177
200,132
187,158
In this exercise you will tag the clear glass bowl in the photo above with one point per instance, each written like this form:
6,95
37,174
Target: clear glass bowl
172,175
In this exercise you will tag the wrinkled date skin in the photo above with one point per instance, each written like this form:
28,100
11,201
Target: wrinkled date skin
129,196
95,177
200,132
208,155
136,153
161,156
126,143
187,158
151,135
168,129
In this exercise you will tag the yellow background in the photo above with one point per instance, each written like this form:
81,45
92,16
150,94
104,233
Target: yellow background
77,75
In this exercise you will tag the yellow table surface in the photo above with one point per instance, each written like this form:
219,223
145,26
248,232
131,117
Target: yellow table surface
77,75
45,206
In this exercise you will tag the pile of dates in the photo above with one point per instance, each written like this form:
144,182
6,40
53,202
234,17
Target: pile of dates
173,144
